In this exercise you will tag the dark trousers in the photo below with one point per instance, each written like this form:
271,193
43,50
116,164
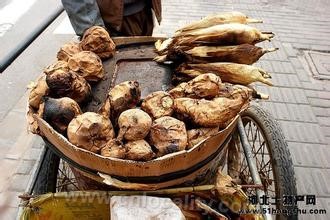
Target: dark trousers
139,24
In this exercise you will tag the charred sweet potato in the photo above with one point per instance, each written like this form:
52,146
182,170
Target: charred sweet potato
68,50
158,104
134,124
69,84
97,40
59,112
211,113
114,148
58,65
168,135
139,150
88,65
39,90
90,131
199,134
203,86
124,96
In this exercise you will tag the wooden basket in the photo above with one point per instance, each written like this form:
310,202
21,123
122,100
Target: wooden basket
134,62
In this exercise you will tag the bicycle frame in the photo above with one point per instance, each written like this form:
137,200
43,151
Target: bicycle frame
252,166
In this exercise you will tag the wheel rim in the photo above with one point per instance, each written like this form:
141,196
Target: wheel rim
262,156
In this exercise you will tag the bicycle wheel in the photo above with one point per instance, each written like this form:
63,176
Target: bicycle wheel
55,174
272,157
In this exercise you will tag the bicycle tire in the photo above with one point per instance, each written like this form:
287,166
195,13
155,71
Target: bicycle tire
282,165
47,178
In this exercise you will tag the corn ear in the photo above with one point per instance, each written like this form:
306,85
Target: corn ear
228,72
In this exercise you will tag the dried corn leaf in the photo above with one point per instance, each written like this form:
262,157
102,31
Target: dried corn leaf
228,72
230,194
221,18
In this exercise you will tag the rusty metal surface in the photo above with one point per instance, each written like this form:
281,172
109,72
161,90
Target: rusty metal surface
131,62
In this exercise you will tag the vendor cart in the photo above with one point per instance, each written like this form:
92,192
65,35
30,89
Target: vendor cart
253,150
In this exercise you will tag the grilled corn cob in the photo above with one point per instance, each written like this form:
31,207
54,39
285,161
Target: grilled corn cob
222,18
228,72
224,34
243,54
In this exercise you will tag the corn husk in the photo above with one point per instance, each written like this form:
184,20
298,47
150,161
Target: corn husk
228,72
221,18
230,193
226,34
243,54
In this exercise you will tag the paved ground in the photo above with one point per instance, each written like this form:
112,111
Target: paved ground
300,102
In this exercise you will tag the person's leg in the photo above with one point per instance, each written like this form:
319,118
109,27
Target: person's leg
139,24
83,14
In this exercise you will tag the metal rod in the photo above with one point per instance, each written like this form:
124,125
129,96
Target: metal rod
252,186
7,59
252,166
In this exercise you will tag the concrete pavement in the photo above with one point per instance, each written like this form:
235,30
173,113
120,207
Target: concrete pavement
298,100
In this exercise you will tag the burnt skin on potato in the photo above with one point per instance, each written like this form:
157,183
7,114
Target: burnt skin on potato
211,113
90,131
134,124
203,86
114,149
168,135
38,91
158,104
124,96
69,84
139,150
59,112
97,40
58,65
88,65
197,135
68,50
